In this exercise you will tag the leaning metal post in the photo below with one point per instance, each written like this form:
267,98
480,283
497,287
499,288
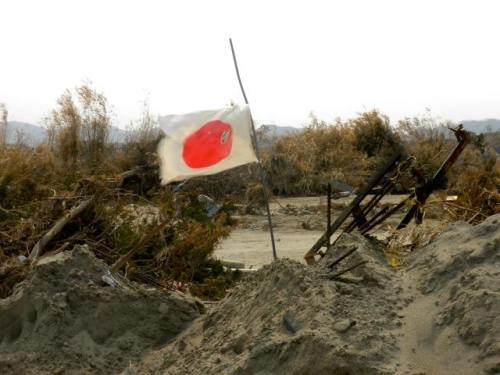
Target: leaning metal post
328,214
463,137
257,153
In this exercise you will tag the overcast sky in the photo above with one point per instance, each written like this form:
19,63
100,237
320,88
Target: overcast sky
334,58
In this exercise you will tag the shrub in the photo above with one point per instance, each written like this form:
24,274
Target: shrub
303,163
141,142
78,131
374,136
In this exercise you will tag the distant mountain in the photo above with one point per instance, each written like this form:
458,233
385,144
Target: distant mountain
482,126
278,131
476,126
267,135
33,134
117,135
25,132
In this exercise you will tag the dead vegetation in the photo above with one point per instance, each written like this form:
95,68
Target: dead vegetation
80,189
169,238
302,163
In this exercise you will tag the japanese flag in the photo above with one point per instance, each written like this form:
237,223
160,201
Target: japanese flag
205,142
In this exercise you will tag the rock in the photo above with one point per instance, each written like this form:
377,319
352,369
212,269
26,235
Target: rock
238,345
232,264
305,225
290,323
344,325
163,308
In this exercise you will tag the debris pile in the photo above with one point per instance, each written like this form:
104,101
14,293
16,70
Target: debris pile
63,318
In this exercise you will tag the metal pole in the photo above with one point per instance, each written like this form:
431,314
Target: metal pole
257,153
328,215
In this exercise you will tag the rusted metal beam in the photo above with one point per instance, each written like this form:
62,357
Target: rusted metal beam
381,219
359,217
347,270
423,192
386,189
340,258
382,212
328,213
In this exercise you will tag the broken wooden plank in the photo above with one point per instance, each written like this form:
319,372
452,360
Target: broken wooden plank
58,226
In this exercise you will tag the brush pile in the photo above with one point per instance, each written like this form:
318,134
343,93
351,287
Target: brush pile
79,189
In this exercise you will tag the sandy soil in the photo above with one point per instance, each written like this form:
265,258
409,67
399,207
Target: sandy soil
436,314
435,311
65,319
424,349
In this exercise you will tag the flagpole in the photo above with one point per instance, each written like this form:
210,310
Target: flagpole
257,152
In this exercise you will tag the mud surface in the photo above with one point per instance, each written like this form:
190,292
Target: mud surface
297,222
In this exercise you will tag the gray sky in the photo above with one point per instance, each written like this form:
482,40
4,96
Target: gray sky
335,58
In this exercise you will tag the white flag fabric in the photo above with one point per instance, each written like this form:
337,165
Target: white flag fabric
204,143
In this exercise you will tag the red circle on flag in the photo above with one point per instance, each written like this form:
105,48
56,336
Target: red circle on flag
210,144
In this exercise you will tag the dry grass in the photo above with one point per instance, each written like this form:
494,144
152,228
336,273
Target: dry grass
411,238
302,164
40,185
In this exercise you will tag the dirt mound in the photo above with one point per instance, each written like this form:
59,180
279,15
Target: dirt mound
457,302
436,314
288,318
370,251
64,319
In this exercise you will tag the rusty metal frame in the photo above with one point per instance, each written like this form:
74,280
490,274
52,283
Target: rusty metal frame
353,206
423,191
393,168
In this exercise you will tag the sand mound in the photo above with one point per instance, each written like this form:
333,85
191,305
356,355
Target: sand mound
64,319
439,314
288,318
456,311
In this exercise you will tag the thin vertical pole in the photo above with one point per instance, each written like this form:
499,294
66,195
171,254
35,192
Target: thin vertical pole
257,153
328,215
